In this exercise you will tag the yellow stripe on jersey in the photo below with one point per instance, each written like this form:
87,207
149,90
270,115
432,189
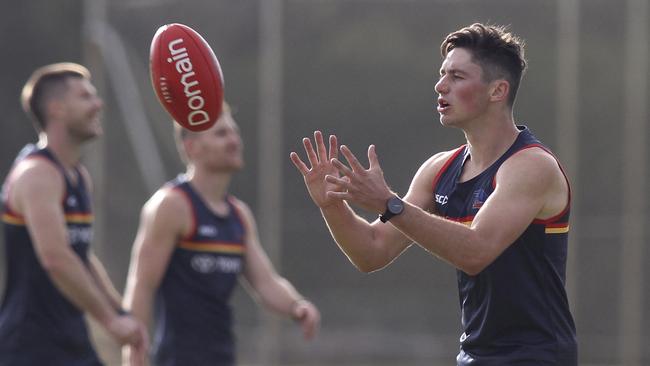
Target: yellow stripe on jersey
557,228
216,247
79,218
69,218
12,219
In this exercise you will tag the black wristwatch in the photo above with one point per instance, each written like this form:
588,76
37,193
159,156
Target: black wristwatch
394,207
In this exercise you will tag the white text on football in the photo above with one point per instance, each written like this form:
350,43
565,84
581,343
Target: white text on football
184,67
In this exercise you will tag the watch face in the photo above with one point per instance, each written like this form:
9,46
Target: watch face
395,206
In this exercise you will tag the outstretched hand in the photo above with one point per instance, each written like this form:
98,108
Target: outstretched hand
329,181
366,188
320,166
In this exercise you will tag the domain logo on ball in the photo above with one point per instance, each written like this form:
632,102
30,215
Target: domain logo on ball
186,76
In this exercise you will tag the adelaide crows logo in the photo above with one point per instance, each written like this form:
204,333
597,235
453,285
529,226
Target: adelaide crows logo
479,198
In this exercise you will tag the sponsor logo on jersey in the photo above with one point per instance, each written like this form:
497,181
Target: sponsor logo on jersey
205,263
71,201
80,234
479,198
208,230
441,199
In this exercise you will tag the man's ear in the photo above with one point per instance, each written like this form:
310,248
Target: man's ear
499,90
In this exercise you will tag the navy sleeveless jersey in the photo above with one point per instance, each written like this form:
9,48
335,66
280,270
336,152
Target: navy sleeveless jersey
515,312
38,325
193,315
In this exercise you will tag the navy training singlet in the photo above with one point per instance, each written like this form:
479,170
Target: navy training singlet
193,315
515,312
38,325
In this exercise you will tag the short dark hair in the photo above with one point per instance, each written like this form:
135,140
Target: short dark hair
45,83
499,53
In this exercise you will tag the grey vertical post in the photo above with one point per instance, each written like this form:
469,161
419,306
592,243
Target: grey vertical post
94,12
633,190
129,103
270,156
567,122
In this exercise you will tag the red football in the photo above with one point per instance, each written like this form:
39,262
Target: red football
186,76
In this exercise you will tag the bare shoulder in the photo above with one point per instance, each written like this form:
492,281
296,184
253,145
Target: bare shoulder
167,214
243,209
532,164
535,174
432,166
168,201
238,203
35,178
421,190
36,169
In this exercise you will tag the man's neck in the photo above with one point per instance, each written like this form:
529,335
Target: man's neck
67,153
212,186
490,138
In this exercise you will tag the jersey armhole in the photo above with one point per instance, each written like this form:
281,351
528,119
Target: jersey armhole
194,224
9,184
240,216
445,166
566,179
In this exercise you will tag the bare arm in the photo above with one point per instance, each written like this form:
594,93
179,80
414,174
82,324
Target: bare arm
95,266
103,281
529,185
274,291
369,246
37,193
161,224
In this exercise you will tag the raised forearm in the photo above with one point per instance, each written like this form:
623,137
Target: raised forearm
450,241
360,241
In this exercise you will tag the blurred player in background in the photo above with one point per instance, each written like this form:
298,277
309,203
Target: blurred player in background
193,242
496,208
52,277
